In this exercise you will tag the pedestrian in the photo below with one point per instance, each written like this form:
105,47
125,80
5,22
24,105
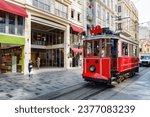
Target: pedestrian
30,67
70,61
38,62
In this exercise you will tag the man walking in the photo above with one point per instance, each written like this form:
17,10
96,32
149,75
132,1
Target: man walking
38,62
30,67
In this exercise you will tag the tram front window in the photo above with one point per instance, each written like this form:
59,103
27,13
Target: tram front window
96,48
89,48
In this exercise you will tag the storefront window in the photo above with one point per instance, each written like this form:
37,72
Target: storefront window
2,21
10,58
20,28
11,24
44,38
15,23
49,58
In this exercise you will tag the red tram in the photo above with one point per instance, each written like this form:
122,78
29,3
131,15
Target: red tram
108,57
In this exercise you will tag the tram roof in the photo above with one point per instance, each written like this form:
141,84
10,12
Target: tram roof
103,37
110,36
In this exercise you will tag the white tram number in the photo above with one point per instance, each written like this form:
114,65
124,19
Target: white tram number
106,109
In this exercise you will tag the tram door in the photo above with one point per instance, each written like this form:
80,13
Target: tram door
114,54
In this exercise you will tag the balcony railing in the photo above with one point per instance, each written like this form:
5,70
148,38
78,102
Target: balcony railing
60,13
41,5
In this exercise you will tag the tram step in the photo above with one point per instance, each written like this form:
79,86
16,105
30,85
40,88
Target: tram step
113,83
113,78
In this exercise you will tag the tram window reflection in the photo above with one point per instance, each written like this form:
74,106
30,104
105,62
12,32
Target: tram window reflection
89,48
103,48
124,49
96,48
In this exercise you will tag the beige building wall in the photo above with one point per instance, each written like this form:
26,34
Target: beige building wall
128,19
144,42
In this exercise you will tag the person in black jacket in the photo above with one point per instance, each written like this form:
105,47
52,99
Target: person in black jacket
30,67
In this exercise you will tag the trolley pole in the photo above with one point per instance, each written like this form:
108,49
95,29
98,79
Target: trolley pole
90,16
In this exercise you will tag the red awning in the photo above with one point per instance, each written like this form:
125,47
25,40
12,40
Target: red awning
76,29
77,50
12,8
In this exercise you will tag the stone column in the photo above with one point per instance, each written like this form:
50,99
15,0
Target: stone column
67,47
27,47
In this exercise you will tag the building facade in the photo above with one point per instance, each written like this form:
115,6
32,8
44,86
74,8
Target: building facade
128,19
46,32
144,40
53,30
76,30
100,12
106,13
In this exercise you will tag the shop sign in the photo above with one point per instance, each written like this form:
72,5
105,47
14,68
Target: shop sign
7,59
96,30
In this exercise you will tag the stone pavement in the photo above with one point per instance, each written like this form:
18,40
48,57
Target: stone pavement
132,89
18,86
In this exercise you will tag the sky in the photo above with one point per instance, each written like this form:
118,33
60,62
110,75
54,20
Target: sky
143,7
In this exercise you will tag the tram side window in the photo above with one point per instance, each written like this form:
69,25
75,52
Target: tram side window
96,48
131,50
89,48
135,52
113,48
108,47
103,48
84,46
124,49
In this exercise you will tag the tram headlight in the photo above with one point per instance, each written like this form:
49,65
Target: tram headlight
92,68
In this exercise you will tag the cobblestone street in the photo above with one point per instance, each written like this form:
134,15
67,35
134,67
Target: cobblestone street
24,87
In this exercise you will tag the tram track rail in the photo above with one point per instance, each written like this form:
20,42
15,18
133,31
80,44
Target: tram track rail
83,91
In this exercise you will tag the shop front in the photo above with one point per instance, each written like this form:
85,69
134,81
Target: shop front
11,54
12,37
75,56
47,43
48,57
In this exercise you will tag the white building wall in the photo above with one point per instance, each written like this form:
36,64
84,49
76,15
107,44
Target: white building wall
77,6
129,19
104,14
